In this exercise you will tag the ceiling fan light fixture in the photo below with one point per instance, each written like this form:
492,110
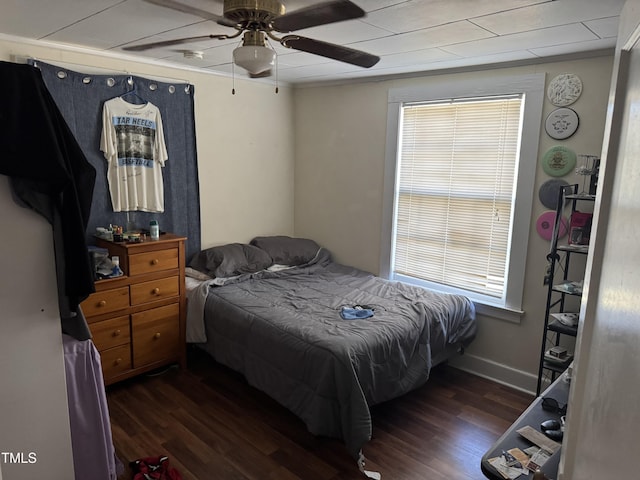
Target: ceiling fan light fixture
254,56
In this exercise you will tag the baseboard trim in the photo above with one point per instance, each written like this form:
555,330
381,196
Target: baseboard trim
497,372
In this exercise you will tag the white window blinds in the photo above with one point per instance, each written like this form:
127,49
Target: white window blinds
455,192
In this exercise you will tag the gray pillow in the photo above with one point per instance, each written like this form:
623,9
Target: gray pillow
285,250
230,260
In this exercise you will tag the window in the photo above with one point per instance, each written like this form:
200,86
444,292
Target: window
462,162
454,195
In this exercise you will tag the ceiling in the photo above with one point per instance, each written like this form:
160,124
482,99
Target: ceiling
409,35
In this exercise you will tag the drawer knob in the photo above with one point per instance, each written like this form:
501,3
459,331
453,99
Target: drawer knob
118,361
157,335
156,291
116,333
102,303
155,261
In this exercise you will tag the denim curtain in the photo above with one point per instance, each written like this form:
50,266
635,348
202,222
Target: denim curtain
80,97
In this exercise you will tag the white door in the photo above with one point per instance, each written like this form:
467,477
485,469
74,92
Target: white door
35,438
601,440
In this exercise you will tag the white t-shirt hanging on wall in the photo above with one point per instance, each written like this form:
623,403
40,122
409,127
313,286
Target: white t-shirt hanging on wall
133,144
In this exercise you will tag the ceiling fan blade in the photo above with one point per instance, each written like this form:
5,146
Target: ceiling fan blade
181,7
330,50
318,14
166,43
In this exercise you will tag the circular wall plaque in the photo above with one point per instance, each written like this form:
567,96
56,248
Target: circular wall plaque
549,192
564,89
546,222
561,123
558,161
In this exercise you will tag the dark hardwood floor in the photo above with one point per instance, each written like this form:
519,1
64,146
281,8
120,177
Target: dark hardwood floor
213,425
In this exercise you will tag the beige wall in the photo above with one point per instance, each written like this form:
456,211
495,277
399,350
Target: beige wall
340,155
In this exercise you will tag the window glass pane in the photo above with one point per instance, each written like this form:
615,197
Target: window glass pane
455,192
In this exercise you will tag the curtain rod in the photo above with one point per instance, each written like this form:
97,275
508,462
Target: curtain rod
97,70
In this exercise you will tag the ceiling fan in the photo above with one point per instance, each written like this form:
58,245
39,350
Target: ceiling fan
257,20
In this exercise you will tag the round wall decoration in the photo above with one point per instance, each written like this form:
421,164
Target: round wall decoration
549,191
546,222
558,161
561,123
564,89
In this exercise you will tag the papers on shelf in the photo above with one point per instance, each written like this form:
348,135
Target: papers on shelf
574,288
569,319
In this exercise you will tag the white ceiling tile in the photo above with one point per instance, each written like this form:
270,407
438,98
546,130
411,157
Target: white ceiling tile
415,57
219,55
457,32
299,59
27,18
321,70
512,56
604,27
570,48
419,14
121,24
522,41
548,14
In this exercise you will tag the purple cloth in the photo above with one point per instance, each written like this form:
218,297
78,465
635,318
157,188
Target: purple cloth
93,452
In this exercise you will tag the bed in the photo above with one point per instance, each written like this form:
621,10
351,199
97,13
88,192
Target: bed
323,339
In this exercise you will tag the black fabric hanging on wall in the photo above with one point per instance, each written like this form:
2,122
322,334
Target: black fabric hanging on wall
80,98
50,174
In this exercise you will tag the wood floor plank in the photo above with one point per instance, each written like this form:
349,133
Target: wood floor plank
213,425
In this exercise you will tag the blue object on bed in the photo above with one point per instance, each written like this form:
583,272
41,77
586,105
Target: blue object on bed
355,313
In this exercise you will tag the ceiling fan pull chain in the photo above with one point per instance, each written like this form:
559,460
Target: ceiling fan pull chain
276,60
233,78
276,69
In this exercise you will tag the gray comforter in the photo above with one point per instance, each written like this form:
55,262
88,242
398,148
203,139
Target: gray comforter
284,332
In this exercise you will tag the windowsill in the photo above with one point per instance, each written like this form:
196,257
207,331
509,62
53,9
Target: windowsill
501,313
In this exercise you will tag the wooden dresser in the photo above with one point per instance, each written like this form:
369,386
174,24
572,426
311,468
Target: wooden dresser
138,320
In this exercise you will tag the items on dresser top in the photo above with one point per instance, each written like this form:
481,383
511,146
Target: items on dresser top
137,320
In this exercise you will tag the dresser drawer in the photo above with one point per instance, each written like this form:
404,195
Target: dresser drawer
154,290
153,261
111,333
106,301
115,361
156,334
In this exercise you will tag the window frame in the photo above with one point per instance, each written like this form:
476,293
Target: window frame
531,86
